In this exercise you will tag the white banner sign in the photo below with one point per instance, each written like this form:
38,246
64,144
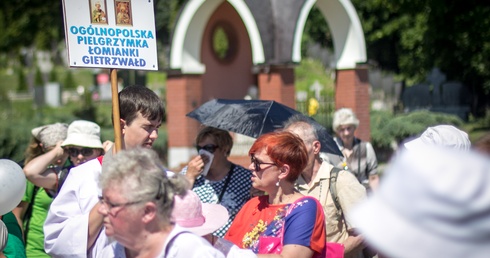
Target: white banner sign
111,34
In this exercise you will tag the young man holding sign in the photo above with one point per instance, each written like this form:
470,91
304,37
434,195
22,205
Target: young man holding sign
73,227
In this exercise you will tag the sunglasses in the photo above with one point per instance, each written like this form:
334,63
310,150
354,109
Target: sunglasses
211,148
74,152
257,163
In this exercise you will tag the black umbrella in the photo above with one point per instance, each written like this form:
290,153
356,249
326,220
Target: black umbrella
254,118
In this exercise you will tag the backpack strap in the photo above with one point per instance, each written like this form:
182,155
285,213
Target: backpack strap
333,187
27,216
362,149
333,192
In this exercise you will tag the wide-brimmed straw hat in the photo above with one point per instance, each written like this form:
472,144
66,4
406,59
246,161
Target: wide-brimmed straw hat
84,134
199,218
433,202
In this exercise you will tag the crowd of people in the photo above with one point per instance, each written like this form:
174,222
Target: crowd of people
85,199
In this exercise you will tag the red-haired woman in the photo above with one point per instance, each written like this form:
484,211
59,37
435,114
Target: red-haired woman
283,221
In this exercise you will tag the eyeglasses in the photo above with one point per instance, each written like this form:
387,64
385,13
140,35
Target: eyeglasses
74,152
208,147
110,205
257,163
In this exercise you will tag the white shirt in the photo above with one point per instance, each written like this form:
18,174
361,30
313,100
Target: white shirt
185,245
66,225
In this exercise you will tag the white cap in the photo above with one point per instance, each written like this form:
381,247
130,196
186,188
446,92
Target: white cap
441,135
431,203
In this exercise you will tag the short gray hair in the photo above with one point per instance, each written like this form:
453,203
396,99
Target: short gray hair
305,124
344,116
144,178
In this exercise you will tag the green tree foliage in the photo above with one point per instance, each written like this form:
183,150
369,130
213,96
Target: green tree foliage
38,79
411,37
30,23
166,12
310,71
21,80
69,82
316,31
14,139
53,77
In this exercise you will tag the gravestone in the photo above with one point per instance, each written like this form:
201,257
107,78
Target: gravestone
437,95
456,99
52,94
435,79
317,88
39,96
417,97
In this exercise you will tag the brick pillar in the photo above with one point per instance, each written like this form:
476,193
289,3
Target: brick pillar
184,94
352,91
278,85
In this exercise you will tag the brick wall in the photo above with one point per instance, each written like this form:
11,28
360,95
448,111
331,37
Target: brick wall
183,96
352,91
278,85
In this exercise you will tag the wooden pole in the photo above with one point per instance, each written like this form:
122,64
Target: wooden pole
115,111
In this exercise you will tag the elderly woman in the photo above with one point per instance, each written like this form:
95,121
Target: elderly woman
214,178
359,156
284,221
137,201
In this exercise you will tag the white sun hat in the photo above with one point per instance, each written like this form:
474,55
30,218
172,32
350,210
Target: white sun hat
433,202
441,135
83,133
344,116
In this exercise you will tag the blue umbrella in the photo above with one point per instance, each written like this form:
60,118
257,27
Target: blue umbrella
254,118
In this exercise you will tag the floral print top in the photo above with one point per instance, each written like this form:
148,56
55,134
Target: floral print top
304,224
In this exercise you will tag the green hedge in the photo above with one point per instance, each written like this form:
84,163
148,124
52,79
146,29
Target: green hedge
387,128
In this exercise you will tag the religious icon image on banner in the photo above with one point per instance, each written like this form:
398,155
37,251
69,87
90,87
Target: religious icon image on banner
98,11
123,12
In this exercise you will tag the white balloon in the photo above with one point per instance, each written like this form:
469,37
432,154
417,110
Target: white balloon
12,185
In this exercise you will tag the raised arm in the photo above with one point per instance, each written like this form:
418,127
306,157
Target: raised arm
37,170
194,168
